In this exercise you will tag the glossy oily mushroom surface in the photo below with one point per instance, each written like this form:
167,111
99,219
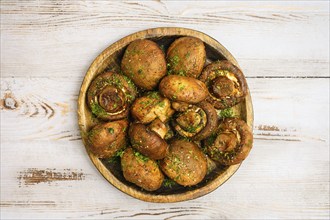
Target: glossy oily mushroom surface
182,88
141,170
144,62
105,139
186,56
147,141
185,163
226,84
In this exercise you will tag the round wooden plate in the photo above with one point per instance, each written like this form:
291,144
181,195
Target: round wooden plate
110,59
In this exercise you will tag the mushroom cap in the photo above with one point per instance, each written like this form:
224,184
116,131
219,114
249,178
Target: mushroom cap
105,139
144,62
147,141
185,163
141,170
186,56
183,89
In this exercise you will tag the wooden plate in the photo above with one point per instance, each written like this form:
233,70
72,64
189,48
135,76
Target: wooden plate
110,59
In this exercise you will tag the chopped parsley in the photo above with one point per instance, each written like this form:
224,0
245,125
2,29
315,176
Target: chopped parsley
226,113
97,109
111,130
140,156
168,183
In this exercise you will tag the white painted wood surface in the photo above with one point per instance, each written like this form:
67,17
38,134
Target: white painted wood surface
46,48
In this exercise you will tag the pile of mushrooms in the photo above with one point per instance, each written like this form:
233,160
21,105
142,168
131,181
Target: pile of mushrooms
161,113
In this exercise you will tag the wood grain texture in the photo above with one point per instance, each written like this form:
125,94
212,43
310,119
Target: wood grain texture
47,47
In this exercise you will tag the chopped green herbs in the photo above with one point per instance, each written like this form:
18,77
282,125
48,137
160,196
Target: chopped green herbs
174,60
168,183
140,156
117,155
226,113
97,109
162,47
111,130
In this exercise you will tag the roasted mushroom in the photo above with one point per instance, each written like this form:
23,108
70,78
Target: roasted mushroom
144,62
226,84
141,170
151,106
109,96
197,121
231,143
159,127
186,56
185,163
147,141
183,89
105,139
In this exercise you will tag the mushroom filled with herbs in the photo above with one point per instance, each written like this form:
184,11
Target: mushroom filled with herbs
109,96
226,84
231,143
168,124
195,121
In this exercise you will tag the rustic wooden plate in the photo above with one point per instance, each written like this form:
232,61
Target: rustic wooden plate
110,59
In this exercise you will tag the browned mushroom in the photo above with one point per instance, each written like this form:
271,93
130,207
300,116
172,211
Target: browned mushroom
195,121
186,56
109,96
231,143
183,89
226,84
185,163
105,139
159,127
151,106
147,142
141,170
144,62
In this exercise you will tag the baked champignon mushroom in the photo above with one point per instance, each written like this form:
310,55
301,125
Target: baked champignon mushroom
147,108
183,89
141,170
231,143
105,139
147,141
186,56
144,62
159,127
197,121
109,96
185,163
226,84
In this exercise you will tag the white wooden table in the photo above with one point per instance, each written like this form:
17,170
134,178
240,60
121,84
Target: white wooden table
46,49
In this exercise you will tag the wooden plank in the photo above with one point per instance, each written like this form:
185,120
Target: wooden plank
274,38
51,109
46,48
297,188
